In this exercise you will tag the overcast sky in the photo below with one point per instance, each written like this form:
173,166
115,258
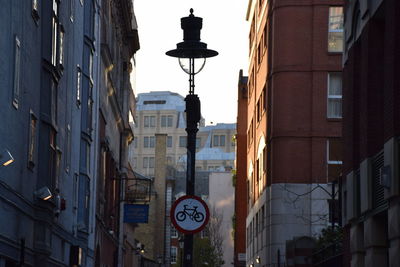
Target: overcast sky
225,30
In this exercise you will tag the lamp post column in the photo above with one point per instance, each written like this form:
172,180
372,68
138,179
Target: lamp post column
192,120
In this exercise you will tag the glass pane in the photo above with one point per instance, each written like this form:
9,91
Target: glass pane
335,84
169,141
169,121
151,162
335,41
335,18
163,121
152,141
334,108
222,140
216,140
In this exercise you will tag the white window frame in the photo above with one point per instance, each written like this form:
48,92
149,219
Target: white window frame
174,232
336,162
174,254
328,161
149,121
166,121
150,143
333,97
217,140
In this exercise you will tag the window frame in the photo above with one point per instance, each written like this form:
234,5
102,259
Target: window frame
17,72
334,31
334,96
32,139
35,10
330,162
174,254
169,141
182,141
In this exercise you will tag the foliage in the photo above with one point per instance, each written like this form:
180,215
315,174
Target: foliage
208,251
233,178
329,244
329,237
233,225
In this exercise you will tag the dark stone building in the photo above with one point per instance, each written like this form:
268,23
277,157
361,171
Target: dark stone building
371,128
51,99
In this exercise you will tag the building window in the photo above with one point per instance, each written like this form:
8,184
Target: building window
148,162
52,158
174,233
71,9
83,202
174,251
32,140
334,158
68,148
35,10
198,142
78,85
149,142
182,141
335,33
61,47
54,37
134,162
17,72
169,141
54,102
166,121
149,121
218,140
335,95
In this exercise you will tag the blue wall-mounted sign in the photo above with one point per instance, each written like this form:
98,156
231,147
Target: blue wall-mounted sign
136,213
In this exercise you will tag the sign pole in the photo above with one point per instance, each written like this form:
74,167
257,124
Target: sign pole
192,119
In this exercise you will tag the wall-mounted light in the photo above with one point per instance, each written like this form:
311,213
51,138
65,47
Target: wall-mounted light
6,158
43,193
140,248
258,260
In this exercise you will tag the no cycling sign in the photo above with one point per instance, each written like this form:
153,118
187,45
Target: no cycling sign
189,214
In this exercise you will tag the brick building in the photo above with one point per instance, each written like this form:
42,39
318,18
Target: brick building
293,122
240,182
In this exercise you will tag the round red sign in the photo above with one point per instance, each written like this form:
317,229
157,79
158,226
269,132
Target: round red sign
189,214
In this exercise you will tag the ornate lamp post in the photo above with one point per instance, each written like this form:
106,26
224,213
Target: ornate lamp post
189,52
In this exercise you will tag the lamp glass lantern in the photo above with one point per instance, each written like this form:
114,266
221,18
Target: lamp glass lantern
191,53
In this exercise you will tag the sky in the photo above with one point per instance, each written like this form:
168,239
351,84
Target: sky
225,30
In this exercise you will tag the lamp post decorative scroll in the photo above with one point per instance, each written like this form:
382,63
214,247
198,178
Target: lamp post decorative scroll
189,52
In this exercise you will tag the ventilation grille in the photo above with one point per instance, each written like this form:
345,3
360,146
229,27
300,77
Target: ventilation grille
378,192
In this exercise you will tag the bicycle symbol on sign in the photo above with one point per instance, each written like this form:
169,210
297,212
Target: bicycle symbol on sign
193,214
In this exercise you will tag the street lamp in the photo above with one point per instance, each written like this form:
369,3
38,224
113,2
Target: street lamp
189,51
6,158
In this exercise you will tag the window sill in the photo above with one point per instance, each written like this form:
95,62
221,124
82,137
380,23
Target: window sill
332,53
334,119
